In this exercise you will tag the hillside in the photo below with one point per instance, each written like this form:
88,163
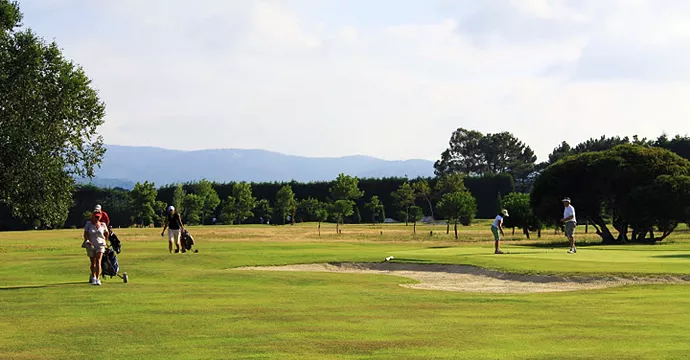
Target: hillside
125,165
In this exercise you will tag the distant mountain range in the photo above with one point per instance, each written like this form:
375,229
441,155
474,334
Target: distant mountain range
125,165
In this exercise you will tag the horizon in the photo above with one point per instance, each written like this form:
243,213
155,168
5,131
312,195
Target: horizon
390,79
269,151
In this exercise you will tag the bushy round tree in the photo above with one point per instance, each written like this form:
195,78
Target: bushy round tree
609,184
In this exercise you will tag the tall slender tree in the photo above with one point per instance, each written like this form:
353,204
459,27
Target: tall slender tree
285,202
423,191
244,202
404,198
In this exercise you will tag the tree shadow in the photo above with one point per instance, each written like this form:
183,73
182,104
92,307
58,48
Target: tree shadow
677,256
563,244
411,260
40,286
558,244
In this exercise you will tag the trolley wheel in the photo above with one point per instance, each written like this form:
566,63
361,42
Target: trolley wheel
125,278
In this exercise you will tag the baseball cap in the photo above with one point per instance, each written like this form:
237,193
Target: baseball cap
566,199
171,208
97,208
505,213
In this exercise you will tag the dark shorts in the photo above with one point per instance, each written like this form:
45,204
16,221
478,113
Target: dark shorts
570,228
494,230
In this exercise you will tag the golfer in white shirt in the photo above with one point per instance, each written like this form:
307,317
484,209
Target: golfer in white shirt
497,227
570,223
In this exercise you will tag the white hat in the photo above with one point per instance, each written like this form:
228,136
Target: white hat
97,208
566,199
171,208
505,213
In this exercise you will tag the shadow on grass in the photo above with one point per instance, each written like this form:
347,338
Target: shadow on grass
676,256
440,247
411,260
40,286
556,244
563,244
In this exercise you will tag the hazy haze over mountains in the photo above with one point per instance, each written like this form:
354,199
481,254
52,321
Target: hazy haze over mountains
124,165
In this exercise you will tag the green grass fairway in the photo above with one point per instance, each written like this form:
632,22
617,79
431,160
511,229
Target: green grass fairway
195,306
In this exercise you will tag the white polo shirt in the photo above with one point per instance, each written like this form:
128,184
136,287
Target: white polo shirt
569,211
497,221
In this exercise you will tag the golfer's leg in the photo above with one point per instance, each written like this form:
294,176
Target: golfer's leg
170,240
98,257
496,245
177,240
93,266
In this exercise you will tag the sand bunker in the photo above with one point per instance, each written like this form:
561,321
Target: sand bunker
473,279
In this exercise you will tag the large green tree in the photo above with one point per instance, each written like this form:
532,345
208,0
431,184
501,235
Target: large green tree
49,115
243,201
209,198
474,153
602,184
143,202
228,212
458,207
656,210
447,184
340,210
193,205
346,187
285,202
375,206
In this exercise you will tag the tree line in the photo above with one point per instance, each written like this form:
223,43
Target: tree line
344,200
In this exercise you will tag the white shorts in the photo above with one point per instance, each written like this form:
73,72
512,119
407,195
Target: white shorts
91,251
174,236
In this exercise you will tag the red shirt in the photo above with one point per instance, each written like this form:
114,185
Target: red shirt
105,218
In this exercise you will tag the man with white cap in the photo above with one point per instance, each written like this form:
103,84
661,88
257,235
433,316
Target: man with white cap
104,215
497,227
570,223
173,223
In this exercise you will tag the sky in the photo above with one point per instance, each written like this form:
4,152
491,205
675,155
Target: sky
385,78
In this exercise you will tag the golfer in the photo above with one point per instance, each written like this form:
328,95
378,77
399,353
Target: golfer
105,218
497,227
173,223
570,223
95,237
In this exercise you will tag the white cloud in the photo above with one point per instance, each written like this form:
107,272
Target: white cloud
280,75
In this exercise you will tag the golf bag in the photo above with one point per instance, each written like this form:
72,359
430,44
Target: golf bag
188,241
109,265
115,242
